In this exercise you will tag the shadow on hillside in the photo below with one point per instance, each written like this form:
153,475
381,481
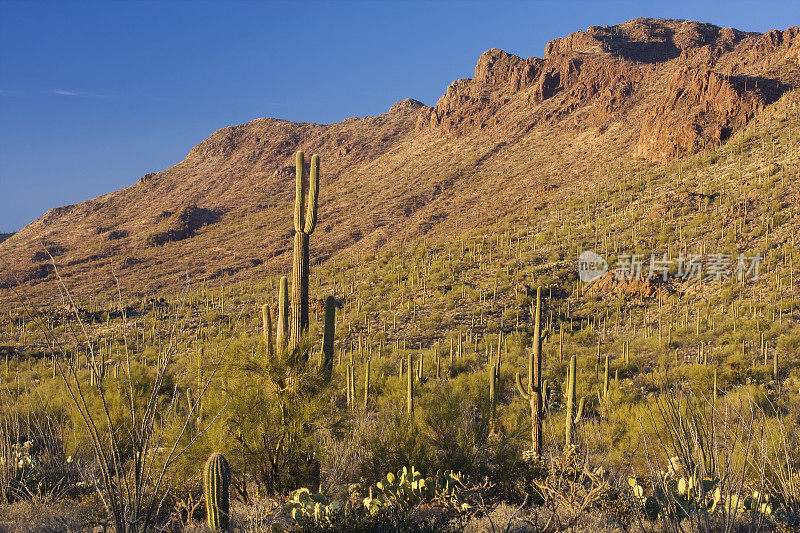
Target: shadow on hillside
184,224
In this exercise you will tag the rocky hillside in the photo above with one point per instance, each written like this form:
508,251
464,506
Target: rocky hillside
631,95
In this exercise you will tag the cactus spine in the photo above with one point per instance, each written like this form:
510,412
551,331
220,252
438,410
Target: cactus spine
303,229
328,335
282,335
216,485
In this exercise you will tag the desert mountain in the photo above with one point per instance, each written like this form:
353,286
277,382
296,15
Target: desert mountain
521,131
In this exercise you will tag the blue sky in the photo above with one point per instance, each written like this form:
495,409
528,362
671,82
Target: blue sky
95,94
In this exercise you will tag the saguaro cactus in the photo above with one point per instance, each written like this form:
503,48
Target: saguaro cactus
349,385
266,319
492,379
534,392
410,385
303,229
282,335
715,384
572,416
328,334
216,486
366,383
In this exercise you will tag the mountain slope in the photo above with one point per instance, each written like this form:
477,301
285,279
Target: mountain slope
522,131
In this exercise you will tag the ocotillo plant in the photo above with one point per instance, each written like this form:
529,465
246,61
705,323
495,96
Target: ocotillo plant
328,335
303,229
216,486
534,392
282,335
266,319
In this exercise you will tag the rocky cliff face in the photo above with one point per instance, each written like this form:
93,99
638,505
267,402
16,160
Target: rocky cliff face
650,88
681,85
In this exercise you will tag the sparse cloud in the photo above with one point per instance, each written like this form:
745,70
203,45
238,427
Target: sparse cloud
79,94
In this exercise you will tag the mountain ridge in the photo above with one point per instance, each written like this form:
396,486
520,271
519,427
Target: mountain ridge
637,93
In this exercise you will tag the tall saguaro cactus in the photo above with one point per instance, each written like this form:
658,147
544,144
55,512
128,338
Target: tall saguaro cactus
366,383
492,380
410,385
572,416
216,486
328,333
303,228
282,335
534,392
266,319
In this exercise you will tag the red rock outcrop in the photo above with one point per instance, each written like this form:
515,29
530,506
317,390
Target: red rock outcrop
700,108
678,86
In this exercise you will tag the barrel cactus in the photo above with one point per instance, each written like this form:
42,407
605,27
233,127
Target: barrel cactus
216,486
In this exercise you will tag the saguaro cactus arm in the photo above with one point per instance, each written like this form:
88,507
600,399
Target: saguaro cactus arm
313,193
520,388
299,192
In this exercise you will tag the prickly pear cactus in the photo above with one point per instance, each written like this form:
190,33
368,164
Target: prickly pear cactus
306,505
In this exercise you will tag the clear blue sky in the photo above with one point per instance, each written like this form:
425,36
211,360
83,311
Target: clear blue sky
95,94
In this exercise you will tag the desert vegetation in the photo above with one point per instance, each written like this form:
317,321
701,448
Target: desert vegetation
472,383
462,379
